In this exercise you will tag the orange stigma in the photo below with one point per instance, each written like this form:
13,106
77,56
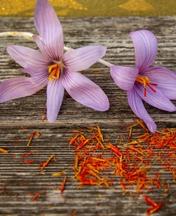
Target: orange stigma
145,81
55,70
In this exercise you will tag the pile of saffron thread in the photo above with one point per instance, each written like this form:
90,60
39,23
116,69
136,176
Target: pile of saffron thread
132,163
98,162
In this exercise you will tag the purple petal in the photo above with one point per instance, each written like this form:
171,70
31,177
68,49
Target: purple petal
156,99
165,79
55,94
41,73
82,58
124,77
47,53
27,57
20,87
85,91
49,28
145,44
138,108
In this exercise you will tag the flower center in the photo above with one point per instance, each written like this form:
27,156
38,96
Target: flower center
55,70
145,81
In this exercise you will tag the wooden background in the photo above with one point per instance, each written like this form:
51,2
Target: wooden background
20,117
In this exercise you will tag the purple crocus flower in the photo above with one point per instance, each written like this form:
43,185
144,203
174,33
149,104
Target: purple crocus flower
152,84
52,67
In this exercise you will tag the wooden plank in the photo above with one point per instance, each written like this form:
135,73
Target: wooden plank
19,118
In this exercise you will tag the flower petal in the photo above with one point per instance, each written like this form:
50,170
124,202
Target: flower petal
49,28
156,99
27,57
55,94
82,58
86,92
138,108
36,72
145,44
19,87
124,77
48,53
165,80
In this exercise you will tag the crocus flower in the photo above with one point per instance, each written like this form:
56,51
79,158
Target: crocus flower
52,67
144,82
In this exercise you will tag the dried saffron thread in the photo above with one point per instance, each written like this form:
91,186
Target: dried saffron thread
58,174
92,168
62,186
100,133
4,151
154,206
114,149
36,196
73,212
130,128
72,140
44,164
136,149
34,134
99,143
76,162
82,144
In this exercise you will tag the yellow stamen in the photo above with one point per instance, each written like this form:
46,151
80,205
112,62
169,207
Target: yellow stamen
144,80
3,151
58,174
55,71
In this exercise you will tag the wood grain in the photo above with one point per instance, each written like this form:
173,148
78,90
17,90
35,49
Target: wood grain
19,118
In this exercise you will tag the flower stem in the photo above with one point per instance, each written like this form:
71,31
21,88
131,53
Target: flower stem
29,36
26,35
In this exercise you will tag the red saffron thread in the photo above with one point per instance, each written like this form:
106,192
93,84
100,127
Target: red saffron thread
155,207
63,184
34,134
44,164
36,196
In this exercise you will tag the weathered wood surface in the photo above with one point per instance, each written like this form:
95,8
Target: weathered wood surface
19,118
